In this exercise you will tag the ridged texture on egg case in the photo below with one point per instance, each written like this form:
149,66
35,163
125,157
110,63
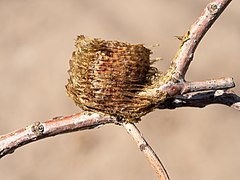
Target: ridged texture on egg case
106,76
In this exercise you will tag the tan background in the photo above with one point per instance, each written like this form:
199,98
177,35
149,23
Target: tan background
36,41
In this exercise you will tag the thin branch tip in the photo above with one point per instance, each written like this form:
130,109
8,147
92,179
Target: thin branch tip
194,35
147,150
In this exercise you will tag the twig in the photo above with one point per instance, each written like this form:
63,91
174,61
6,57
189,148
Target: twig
203,99
76,122
198,86
214,84
194,35
147,150
177,71
55,126
173,82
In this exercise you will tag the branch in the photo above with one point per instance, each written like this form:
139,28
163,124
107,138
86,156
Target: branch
194,35
147,150
173,82
175,89
198,86
215,84
201,100
76,122
55,126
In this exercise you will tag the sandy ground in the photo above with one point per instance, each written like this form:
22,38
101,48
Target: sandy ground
37,39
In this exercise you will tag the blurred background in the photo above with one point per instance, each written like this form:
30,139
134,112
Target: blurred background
37,39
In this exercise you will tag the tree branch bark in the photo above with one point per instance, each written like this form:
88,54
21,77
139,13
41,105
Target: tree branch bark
193,36
181,88
203,99
147,150
76,122
176,88
59,125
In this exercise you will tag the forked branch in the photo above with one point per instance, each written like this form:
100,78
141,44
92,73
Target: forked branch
176,88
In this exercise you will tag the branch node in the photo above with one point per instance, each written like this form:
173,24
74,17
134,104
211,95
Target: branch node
218,93
37,128
213,8
142,146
